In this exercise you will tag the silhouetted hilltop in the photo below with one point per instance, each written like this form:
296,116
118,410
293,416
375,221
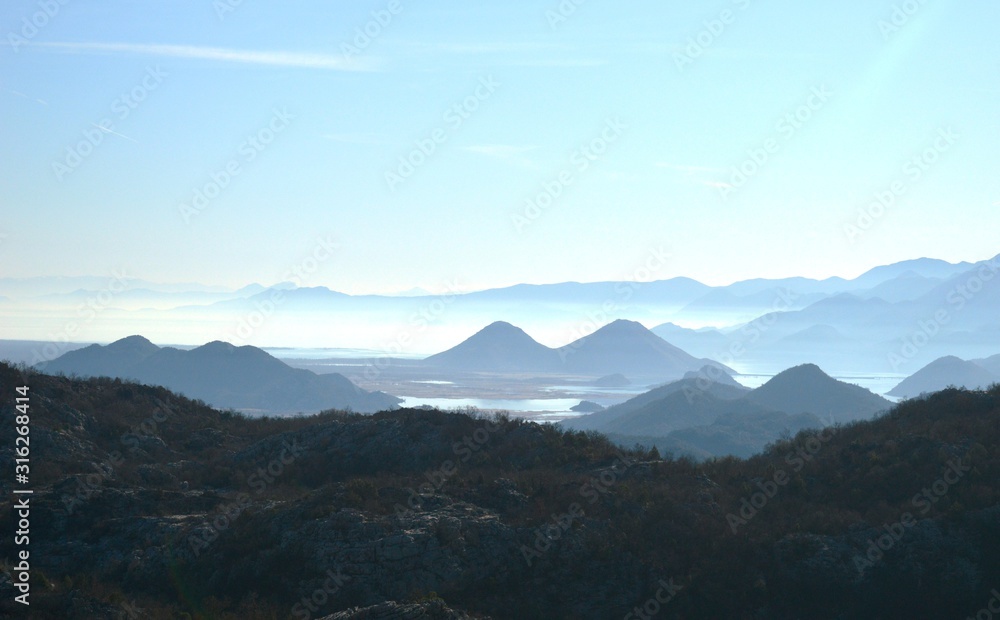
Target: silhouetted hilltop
498,347
145,500
807,389
701,417
628,348
945,372
619,348
113,360
245,378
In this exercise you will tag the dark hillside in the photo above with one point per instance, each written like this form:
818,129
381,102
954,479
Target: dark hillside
149,501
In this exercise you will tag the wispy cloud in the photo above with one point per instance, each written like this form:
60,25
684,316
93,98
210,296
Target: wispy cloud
120,135
304,60
20,94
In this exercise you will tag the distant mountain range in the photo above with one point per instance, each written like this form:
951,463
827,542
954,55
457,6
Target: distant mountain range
946,372
866,324
620,347
701,417
244,378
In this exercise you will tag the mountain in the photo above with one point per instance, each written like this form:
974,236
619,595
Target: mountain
922,267
807,389
113,360
700,342
498,347
244,378
618,348
945,372
627,347
713,374
655,403
992,364
699,415
905,287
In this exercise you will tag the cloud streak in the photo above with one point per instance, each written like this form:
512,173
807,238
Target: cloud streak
303,60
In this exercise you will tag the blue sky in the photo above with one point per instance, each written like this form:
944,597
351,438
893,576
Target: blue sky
625,130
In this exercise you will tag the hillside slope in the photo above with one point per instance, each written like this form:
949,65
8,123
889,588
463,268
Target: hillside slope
148,501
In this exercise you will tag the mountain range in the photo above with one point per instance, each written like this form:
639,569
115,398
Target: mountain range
865,324
244,378
620,347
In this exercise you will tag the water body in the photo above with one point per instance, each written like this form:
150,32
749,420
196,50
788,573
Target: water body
545,405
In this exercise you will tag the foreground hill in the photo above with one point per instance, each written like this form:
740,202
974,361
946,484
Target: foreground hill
945,372
147,504
807,388
706,415
244,378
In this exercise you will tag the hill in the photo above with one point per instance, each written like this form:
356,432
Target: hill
113,360
700,416
628,348
244,378
498,347
945,372
145,500
807,389
991,364
603,421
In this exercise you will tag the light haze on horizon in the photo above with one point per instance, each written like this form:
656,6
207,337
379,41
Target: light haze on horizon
675,127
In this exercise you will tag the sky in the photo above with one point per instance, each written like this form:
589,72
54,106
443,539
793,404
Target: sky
388,145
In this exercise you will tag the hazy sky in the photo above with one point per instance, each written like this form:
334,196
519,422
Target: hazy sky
623,121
